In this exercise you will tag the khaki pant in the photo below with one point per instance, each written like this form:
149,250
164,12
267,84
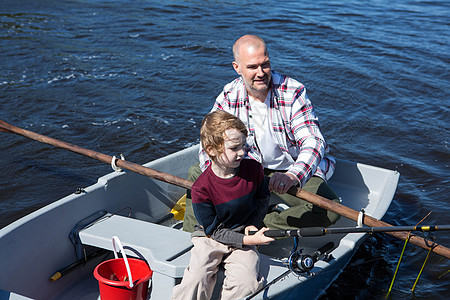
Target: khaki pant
241,271
299,214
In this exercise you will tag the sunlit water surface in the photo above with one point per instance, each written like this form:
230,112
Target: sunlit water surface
136,77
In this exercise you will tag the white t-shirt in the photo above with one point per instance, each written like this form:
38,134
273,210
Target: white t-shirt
272,156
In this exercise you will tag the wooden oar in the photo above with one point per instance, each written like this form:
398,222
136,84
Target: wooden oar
310,197
368,220
5,127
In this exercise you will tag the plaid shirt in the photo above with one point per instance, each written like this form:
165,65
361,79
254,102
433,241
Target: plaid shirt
294,123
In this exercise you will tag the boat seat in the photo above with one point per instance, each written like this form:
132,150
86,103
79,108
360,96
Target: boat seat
166,249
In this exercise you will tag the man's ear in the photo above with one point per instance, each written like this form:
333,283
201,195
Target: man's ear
236,67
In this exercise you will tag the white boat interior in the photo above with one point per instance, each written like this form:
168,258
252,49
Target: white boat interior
36,246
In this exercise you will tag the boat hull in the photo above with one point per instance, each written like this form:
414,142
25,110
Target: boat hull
36,246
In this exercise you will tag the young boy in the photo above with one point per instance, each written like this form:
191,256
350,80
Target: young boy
229,199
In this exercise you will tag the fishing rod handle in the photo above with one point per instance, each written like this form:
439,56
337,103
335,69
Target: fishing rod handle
307,231
273,233
276,233
322,250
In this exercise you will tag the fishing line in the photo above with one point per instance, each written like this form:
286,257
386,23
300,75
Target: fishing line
443,274
401,254
424,263
398,263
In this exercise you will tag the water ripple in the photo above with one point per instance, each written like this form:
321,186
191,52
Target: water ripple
138,77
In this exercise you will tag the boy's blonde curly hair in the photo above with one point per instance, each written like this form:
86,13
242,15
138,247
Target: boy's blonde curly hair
212,131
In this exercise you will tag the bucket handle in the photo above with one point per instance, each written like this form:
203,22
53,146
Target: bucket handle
115,240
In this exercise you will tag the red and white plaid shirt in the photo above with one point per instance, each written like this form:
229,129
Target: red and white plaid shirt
294,123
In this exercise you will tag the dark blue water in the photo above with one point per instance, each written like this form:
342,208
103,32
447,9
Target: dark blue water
136,77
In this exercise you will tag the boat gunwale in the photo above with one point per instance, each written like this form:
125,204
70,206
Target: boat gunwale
346,245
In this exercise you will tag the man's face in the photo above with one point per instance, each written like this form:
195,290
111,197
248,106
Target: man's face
254,67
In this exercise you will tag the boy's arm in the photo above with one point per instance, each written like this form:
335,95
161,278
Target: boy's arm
231,237
205,214
263,202
262,198
204,210
234,237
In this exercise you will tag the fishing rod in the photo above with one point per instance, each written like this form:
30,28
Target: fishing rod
297,263
294,191
302,264
319,231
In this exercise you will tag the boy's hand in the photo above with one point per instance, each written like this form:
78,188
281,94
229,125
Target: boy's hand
258,238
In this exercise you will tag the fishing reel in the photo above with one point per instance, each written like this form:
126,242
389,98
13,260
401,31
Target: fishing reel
300,263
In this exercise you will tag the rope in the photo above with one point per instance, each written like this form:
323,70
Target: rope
113,163
361,218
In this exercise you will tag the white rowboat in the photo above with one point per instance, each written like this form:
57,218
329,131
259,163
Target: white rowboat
37,245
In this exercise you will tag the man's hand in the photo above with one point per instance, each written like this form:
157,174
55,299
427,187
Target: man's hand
282,182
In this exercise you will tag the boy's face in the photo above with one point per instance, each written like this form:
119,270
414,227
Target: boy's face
233,152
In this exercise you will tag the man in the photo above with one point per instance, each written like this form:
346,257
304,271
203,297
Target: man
284,135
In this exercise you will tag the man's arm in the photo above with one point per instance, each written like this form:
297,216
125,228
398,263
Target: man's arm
306,131
303,128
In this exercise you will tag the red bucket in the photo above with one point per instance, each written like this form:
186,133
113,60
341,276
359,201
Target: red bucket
114,277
